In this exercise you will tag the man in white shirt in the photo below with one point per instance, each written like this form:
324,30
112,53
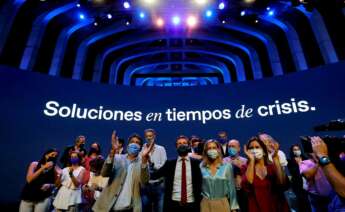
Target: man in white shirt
182,180
153,193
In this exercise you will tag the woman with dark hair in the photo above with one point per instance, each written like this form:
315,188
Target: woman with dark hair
218,183
297,180
94,152
263,181
69,196
40,182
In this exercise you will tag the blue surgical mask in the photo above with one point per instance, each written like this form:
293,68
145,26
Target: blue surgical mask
133,149
232,151
212,153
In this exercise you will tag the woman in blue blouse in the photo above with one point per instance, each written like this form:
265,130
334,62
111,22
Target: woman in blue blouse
218,184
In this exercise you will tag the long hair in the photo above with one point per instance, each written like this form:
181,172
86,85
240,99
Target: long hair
206,160
262,145
292,155
43,159
99,149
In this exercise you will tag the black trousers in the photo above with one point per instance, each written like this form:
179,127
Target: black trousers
188,207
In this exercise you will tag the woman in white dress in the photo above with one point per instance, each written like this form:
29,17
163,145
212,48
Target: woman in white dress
69,195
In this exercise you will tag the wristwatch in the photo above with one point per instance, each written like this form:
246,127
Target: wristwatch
324,160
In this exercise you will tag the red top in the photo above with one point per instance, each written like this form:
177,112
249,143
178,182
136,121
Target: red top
264,195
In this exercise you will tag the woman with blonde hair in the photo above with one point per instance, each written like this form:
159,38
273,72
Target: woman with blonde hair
218,184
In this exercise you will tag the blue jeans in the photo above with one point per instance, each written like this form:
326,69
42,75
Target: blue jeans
153,197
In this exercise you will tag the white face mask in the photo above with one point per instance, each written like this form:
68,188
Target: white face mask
297,153
258,153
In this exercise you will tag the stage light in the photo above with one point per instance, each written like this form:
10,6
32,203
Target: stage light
95,24
268,8
126,5
271,13
223,22
208,13
149,2
160,22
256,21
176,20
249,1
201,2
221,6
243,13
142,15
81,16
192,21
128,23
109,16
78,5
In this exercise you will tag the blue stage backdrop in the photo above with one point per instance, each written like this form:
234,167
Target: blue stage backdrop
38,111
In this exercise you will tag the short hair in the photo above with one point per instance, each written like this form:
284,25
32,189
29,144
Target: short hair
135,135
182,137
150,130
78,138
195,138
121,141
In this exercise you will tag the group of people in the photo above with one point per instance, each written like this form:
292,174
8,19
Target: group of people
207,176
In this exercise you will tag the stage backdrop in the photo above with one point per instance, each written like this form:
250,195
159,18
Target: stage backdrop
38,111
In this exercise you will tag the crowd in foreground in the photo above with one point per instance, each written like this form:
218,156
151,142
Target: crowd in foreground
207,176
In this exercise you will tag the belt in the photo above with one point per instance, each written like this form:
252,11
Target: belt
156,182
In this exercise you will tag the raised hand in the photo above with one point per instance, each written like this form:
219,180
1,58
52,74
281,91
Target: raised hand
114,144
319,146
248,153
146,152
48,165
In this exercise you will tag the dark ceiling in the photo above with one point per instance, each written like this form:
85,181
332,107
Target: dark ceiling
51,37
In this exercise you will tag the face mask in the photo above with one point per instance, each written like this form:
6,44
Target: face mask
133,149
258,153
74,161
297,153
222,140
93,150
232,151
81,146
195,149
212,153
52,159
183,150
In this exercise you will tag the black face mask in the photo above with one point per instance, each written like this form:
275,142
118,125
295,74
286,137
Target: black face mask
52,159
183,150
81,146
93,150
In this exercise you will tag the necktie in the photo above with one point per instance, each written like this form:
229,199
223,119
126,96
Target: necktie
183,183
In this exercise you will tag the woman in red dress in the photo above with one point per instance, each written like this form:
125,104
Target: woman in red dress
263,181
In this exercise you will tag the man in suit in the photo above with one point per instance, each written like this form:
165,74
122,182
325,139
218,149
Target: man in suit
127,173
183,180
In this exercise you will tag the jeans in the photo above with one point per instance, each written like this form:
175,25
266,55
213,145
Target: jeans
43,206
153,197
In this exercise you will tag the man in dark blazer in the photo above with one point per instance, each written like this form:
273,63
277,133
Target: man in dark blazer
183,180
